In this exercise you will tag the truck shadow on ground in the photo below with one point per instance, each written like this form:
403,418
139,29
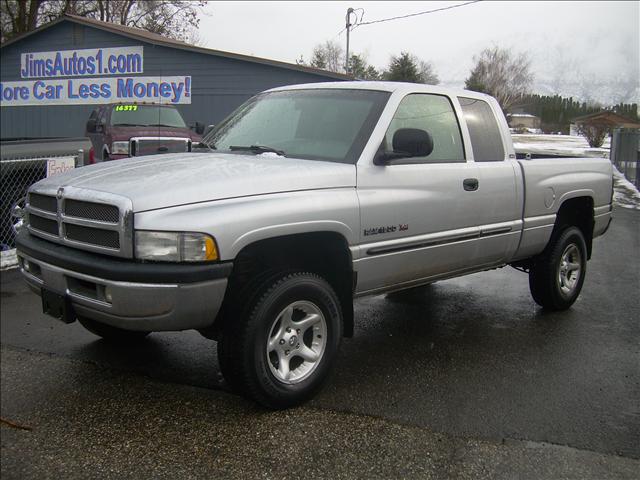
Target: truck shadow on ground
411,337
445,337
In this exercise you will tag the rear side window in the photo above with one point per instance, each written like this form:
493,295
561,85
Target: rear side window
433,113
483,129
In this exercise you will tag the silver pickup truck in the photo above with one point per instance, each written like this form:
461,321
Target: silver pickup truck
310,196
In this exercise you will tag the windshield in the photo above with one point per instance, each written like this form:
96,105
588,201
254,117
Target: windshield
146,115
315,124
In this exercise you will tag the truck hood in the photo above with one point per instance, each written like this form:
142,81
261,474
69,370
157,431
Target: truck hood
161,181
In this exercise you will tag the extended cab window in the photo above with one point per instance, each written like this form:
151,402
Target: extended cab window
483,130
434,114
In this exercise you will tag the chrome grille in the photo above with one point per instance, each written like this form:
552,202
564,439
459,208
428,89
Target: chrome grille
92,236
43,202
83,219
43,224
91,210
140,146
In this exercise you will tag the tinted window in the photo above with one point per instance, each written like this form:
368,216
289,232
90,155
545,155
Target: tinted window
434,114
483,129
146,116
102,116
314,124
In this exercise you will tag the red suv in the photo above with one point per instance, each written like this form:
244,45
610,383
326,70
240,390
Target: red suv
131,130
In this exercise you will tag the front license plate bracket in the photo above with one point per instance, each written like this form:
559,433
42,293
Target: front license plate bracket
58,306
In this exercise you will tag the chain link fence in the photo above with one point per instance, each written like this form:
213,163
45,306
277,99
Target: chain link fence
625,153
16,176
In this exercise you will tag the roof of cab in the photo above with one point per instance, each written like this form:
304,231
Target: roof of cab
403,87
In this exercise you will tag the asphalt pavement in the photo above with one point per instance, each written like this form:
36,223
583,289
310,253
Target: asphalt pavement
463,378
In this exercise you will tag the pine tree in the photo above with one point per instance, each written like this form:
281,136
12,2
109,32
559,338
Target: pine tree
403,68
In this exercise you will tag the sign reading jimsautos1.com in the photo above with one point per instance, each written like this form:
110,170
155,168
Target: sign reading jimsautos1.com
45,84
90,61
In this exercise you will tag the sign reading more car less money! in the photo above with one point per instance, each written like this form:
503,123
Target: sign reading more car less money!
90,76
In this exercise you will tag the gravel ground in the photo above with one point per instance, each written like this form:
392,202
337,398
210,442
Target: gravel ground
90,422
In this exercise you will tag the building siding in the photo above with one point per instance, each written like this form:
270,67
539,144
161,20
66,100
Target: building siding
219,84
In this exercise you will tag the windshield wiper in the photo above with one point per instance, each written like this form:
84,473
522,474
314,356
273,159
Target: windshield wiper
210,146
129,125
257,149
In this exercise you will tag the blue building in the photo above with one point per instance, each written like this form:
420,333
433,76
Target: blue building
52,78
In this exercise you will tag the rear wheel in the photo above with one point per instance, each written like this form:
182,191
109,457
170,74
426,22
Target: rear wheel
556,279
280,349
112,334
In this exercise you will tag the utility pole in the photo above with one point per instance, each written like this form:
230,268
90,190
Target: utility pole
348,27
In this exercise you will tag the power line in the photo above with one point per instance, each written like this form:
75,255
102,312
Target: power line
415,14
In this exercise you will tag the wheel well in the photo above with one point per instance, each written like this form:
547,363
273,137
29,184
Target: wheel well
324,253
576,212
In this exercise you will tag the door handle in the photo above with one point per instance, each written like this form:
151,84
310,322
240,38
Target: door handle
470,184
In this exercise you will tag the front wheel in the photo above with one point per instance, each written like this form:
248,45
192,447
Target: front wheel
556,279
280,349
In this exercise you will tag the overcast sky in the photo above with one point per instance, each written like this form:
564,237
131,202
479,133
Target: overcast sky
586,49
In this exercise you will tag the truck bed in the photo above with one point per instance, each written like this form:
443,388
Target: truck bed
548,182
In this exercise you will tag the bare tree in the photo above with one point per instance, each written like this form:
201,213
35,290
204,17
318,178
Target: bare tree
173,18
328,56
595,133
427,73
18,17
502,74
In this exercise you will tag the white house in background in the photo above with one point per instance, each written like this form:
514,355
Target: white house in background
524,122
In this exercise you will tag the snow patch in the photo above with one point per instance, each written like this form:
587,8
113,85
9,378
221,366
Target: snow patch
625,194
566,145
8,259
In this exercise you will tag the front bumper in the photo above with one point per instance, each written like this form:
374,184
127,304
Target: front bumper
125,294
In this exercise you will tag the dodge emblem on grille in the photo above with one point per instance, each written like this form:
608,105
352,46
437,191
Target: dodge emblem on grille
59,194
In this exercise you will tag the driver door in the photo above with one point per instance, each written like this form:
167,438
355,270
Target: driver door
419,215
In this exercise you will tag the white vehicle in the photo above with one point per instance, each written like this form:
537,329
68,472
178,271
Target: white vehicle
311,195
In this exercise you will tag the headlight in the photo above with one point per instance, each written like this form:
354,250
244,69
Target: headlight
120,148
175,247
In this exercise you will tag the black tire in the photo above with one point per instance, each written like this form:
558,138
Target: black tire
245,359
112,334
240,299
552,285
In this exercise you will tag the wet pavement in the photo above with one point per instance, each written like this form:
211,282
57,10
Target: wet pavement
506,388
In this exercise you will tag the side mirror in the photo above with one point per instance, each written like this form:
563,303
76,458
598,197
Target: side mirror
198,128
91,126
415,142
407,143
208,130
